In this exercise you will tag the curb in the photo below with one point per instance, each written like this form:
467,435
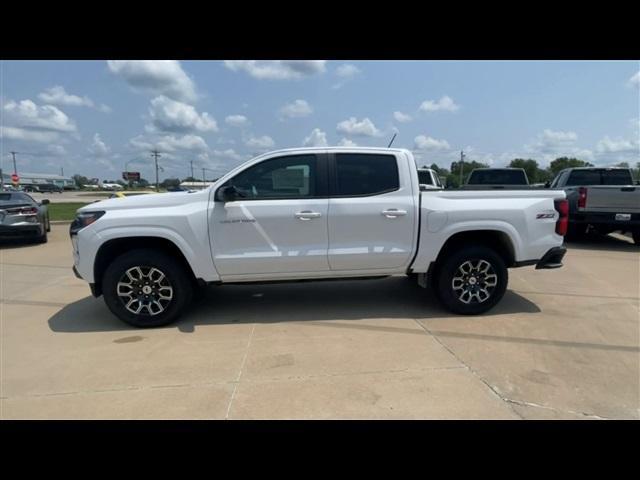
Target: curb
60,222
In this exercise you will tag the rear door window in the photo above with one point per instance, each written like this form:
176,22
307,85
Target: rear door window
361,174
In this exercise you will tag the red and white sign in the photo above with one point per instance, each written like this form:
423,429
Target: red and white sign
15,178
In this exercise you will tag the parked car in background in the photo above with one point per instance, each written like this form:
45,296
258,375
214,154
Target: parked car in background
312,214
428,179
49,188
497,178
23,217
605,199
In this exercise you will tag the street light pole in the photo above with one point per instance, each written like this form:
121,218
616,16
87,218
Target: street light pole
461,165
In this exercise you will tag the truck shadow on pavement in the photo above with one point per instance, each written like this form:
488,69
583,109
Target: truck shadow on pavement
394,297
596,241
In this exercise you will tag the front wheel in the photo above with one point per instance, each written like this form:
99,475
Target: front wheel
146,288
471,280
636,237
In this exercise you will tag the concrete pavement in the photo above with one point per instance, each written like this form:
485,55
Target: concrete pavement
561,344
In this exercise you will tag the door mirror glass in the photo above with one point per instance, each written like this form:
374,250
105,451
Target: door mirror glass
45,202
547,184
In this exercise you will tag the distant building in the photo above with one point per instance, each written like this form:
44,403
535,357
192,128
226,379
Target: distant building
38,179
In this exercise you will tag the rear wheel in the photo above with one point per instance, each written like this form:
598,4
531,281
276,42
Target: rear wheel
146,288
43,238
471,280
636,237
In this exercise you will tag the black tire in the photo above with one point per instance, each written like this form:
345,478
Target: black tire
175,274
474,293
48,223
43,238
636,237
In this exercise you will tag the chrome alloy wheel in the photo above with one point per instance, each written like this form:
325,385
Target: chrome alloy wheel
145,290
474,281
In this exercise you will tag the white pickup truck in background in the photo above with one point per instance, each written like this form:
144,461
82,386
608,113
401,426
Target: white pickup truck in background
313,214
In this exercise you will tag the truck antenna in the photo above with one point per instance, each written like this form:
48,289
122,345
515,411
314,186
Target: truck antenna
392,139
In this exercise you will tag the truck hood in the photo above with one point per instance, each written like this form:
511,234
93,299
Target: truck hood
156,200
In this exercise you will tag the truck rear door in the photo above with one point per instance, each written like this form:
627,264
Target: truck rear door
372,214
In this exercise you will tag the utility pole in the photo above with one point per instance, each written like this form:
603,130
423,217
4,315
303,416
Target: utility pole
62,171
192,169
15,170
203,179
155,154
461,165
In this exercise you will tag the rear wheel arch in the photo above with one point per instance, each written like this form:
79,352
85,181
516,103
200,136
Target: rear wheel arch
496,240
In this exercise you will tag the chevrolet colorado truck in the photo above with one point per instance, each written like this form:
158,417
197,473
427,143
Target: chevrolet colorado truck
605,199
313,214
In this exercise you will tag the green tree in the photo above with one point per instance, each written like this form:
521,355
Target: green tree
529,166
170,183
80,180
566,162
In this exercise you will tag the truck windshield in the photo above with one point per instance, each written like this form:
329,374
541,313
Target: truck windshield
599,177
497,177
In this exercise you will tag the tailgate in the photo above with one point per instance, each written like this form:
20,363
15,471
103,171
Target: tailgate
613,199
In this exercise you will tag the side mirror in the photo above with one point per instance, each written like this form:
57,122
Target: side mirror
227,194
547,185
45,201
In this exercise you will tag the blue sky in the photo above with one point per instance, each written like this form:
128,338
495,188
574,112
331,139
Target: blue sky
91,117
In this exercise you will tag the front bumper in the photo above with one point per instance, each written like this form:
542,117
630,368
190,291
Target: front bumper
552,259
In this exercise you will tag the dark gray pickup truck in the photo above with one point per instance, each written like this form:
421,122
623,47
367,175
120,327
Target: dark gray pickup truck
497,178
605,199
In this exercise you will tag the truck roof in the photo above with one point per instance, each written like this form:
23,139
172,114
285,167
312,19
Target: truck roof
336,149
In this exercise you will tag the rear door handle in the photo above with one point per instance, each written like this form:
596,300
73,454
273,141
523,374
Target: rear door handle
393,213
307,215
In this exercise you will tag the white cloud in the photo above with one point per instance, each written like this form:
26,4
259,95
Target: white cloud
402,117
277,69
98,147
347,70
620,145
105,108
364,128
345,142
58,96
296,109
553,141
260,143
56,150
317,138
423,142
237,120
158,77
29,116
228,154
169,143
13,133
445,104
169,115
634,81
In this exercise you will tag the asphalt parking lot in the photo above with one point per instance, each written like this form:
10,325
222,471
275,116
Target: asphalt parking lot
563,344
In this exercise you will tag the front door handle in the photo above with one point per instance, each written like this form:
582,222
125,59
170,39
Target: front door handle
307,215
393,213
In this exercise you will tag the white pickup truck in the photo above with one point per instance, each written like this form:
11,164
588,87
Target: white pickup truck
313,214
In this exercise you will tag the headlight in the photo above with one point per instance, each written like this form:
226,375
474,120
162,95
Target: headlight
84,220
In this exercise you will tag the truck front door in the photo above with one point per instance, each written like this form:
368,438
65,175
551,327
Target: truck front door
278,222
